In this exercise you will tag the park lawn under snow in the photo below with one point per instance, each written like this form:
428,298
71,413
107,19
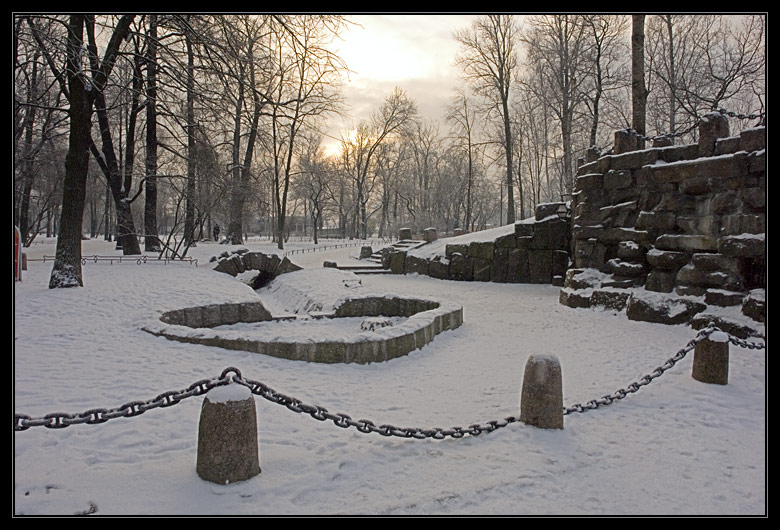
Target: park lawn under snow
678,446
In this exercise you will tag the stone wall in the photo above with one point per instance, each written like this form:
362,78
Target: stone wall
685,221
537,251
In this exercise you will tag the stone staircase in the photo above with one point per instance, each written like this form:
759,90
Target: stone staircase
376,258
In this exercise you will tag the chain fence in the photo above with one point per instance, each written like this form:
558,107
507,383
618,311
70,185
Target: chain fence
671,136
59,420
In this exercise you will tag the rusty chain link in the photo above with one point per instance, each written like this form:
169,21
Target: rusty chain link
59,420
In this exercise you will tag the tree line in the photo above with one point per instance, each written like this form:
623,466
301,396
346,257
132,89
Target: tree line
156,127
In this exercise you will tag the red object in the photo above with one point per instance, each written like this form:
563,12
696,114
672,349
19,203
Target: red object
17,255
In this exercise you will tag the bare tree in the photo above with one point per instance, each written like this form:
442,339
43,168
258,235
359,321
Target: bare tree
489,61
81,90
559,47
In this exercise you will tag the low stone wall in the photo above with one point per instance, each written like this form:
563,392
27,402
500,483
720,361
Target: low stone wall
426,319
685,221
536,252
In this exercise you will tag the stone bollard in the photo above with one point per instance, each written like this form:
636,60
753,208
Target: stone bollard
625,142
712,126
404,233
711,359
330,264
541,400
430,235
366,251
227,436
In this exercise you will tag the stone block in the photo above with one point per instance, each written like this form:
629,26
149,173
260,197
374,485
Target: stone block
712,126
524,229
398,262
416,264
507,241
439,268
619,267
753,139
285,266
253,312
615,300
230,314
366,251
539,266
589,254
757,165
698,224
541,399
589,182
430,235
667,259
725,146
227,436
690,275
742,246
461,268
625,142
193,317
630,250
545,210
482,269
679,152
635,159
452,248
714,262
499,265
551,235
722,298
754,197
517,266
574,298
581,279
587,231
686,243
330,264
481,249
733,327
661,309
404,233
661,281
736,224
618,179
754,305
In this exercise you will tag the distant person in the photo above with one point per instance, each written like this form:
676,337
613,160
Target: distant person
216,232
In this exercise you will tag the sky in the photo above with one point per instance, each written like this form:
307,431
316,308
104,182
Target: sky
413,52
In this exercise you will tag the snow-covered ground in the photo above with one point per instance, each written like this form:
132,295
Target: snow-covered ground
676,447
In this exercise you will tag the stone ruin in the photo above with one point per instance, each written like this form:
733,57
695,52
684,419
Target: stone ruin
670,234
268,266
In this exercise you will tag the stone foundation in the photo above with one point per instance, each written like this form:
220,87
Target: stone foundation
426,319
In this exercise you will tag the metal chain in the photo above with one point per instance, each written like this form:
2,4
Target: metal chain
59,420
659,371
367,426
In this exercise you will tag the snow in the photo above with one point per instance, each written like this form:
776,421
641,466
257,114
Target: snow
228,393
676,447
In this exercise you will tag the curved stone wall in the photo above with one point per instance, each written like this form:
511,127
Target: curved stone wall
426,319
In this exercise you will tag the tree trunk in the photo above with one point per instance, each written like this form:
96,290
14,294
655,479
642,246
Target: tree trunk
510,195
189,215
67,263
638,90
151,239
